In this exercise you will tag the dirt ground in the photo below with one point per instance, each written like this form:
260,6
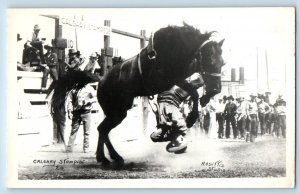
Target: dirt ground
205,157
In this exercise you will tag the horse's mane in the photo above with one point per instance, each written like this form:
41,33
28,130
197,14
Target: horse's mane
178,43
72,80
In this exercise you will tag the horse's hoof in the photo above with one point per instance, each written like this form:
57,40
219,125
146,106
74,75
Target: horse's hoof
177,146
119,160
103,161
119,163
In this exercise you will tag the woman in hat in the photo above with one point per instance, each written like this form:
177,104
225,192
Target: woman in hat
92,64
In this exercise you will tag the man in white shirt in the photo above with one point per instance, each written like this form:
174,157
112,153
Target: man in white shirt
251,130
242,115
92,65
79,110
280,107
220,107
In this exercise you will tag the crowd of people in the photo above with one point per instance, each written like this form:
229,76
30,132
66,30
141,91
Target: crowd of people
243,118
34,59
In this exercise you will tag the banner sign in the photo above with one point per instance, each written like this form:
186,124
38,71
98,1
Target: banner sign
84,25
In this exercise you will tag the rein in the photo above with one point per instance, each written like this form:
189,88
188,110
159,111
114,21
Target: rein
151,97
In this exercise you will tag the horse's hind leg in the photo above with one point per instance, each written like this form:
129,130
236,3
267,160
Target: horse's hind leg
110,122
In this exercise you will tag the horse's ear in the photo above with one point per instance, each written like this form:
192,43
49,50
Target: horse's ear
221,42
185,24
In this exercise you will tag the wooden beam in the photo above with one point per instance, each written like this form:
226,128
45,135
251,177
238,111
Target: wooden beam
129,34
51,16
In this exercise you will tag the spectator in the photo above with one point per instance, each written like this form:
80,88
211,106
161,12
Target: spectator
92,64
271,125
74,61
220,107
37,42
230,112
263,109
210,119
280,107
79,110
251,129
242,115
50,67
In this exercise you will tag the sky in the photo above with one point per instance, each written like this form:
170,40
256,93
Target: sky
260,38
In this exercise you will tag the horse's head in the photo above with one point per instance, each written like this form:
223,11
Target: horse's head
211,62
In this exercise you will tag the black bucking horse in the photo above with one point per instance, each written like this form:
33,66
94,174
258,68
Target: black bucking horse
173,54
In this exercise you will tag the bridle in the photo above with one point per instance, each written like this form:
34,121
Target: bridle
201,67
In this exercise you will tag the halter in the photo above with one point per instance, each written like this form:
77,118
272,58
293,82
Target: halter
205,72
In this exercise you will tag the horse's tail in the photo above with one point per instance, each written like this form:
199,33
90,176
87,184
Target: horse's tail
72,80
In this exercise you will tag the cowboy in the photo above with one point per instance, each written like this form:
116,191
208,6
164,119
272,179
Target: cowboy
171,123
280,108
230,112
220,107
50,66
251,130
208,116
79,110
74,62
263,109
242,115
92,64
37,43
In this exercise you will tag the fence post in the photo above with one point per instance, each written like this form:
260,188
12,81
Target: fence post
58,138
144,99
107,59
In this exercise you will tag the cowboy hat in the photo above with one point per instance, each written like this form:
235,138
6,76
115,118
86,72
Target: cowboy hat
48,47
93,55
36,27
72,51
230,97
